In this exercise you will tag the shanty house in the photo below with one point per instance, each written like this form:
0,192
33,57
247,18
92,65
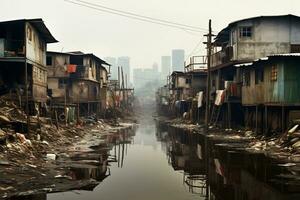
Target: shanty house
184,86
196,68
78,78
270,92
244,41
180,85
23,74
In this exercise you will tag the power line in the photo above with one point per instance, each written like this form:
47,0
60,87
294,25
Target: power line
133,17
142,16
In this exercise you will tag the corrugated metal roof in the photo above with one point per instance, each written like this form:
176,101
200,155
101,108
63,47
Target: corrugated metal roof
244,64
261,59
39,24
285,55
267,58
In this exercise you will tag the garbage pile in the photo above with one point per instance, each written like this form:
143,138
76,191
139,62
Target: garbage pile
285,147
19,142
10,112
291,140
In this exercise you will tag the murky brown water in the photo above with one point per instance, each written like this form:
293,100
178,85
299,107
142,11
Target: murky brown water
165,163
150,166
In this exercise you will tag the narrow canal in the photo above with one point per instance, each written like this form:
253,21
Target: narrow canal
153,161
147,166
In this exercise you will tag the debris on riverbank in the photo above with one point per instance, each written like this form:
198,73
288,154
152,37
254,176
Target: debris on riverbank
44,159
283,148
230,154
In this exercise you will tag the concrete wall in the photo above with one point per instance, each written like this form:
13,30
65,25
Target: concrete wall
269,36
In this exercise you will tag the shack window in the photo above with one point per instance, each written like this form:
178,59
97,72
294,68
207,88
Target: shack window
246,78
259,75
61,83
246,32
274,73
49,60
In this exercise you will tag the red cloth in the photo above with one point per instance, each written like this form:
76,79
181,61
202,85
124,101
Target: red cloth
71,68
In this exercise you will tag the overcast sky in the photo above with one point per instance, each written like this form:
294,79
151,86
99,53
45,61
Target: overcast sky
80,28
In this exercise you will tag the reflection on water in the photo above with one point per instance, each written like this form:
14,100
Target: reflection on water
31,197
151,165
184,155
158,162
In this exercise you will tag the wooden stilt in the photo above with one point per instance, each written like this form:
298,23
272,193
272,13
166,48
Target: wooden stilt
256,119
282,119
229,114
266,120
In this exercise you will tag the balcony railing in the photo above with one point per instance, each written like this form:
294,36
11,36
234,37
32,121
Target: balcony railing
82,72
222,57
198,63
12,48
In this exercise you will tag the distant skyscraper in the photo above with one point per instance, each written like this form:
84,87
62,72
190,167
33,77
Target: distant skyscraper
178,60
142,76
165,65
125,63
155,67
113,68
138,78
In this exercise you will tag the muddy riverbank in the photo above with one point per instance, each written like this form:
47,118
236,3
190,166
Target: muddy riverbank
241,165
49,163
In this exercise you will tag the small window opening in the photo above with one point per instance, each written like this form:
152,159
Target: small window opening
246,32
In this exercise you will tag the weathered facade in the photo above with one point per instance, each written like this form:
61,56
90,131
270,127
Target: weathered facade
78,79
257,37
245,41
23,46
185,88
270,92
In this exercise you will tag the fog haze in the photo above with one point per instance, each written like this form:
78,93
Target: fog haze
81,28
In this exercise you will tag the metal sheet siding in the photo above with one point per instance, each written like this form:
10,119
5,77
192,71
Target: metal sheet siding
274,90
292,82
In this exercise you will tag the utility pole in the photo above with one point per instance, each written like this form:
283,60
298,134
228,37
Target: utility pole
123,97
119,86
126,90
65,103
119,81
209,48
